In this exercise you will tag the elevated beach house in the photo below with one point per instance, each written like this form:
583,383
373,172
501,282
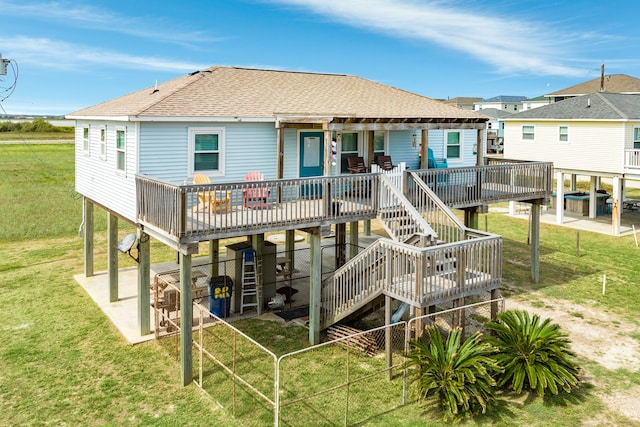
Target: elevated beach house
285,151
596,135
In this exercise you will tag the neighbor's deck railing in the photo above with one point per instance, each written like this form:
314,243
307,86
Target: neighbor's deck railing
418,276
500,181
632,159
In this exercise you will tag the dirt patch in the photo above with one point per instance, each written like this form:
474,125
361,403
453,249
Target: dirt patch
591,332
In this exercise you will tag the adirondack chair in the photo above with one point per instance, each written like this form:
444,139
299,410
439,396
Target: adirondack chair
433,163
216,201
255,197
384,163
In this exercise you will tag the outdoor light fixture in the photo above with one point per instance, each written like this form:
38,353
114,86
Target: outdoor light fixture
127,243
413,140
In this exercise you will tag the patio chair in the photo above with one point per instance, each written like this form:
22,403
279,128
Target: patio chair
433,163
384,163
255,196
357,165
216,201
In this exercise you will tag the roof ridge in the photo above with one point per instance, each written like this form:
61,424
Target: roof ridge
613,107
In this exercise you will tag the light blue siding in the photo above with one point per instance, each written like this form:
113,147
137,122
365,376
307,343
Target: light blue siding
164,150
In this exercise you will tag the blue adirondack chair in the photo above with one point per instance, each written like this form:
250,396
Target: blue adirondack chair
433,163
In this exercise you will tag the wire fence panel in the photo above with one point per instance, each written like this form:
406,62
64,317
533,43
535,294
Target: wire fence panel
335,383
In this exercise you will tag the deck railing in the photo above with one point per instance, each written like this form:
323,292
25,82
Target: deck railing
632,159
177,211
398,216
478,185
418,276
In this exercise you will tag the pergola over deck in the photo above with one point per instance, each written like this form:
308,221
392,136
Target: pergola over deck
353,123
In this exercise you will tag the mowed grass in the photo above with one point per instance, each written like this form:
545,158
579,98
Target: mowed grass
63,362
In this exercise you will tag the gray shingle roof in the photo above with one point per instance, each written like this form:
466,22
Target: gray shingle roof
595,106
494,113
256,93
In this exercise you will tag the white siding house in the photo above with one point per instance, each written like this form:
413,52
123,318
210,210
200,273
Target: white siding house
595,135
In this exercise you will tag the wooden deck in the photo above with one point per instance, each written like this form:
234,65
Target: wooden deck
167,210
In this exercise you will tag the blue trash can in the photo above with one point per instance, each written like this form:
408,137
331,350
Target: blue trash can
220,289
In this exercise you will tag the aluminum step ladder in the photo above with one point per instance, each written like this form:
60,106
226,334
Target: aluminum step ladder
249,297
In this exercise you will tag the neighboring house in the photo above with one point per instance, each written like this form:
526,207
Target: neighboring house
595,135
495,129
463,102
512,104
613,83
536,102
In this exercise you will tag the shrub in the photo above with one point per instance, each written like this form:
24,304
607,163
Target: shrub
459,377
534,355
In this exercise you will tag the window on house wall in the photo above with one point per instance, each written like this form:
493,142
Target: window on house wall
378,144
348,148
207,150
121,150
103,143
85,140
563,134
528,132
453,145
636,138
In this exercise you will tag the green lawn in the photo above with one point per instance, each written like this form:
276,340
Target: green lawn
63,362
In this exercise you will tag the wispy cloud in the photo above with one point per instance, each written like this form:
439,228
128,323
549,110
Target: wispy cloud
52,54
511,45
95,18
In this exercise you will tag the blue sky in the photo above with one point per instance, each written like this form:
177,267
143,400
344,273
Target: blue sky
73,54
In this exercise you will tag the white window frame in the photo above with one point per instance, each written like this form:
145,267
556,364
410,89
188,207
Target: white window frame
460,145
122,151
103,143
86,140
633,137
220,131
565,134
532,133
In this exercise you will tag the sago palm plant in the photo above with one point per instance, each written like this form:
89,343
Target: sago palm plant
535,355
458,376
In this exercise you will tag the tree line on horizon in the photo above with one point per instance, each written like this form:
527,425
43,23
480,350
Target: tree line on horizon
37,125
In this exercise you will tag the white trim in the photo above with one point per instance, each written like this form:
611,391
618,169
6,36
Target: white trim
459,159
195,130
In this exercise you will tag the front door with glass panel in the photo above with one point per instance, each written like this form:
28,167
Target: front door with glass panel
311,160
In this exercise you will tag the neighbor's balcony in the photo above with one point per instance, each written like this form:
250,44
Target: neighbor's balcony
632,160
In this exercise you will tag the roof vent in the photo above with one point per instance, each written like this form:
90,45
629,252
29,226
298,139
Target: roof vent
588,102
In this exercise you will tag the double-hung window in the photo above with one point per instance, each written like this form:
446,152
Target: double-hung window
454,147
636,138
528,132
85,140
378,143
121,150
348,148
207,150
563,134
103,143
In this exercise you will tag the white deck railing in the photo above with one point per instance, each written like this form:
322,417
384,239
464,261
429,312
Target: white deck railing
418,276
